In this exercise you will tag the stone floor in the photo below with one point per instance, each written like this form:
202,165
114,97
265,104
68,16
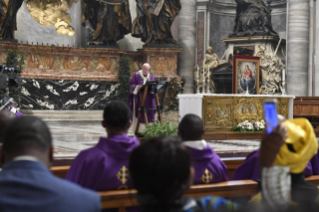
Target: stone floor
71,138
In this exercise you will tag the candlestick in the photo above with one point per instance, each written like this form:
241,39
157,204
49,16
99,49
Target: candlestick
203,91
283,75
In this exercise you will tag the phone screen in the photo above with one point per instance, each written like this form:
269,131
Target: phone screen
270,116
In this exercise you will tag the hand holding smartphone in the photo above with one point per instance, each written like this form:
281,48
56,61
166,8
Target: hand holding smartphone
270,112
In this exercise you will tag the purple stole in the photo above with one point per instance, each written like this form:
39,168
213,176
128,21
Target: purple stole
208,166
150,98
250,169
105,166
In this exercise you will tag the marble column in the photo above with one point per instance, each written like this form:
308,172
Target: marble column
298,44
186,39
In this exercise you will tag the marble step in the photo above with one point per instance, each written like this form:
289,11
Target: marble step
93,116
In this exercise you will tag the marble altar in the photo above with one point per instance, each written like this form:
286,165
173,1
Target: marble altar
223,112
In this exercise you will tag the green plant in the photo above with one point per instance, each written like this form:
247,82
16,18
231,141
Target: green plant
16,59
124,76
157,129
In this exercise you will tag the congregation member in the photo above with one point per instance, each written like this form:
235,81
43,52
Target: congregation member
26,183
288,149
209,168
105,166
250,169
138,80
161,171
5,119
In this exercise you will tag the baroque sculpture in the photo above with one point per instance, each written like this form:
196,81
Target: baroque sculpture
253,17
110,19
154,20
8,21
202,76
48,12
271,68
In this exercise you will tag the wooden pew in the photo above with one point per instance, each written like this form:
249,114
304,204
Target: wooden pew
60,171
242,188
126,198
231,163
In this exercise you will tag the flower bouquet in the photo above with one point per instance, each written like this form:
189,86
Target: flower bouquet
247,126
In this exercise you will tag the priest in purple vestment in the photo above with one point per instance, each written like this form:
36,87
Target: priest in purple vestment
208,166
134,102
105,166
250,169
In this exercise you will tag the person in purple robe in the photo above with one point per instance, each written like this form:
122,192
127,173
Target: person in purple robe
250,169
134,102
105,166
209,168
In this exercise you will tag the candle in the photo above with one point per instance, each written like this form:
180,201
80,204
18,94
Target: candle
283,75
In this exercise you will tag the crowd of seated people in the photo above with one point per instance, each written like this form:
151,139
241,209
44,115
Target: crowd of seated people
160,169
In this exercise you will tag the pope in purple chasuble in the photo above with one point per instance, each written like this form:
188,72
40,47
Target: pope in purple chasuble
250,169
105,166
134,102
209,168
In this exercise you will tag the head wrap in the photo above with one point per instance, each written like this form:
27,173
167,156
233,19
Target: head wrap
300,146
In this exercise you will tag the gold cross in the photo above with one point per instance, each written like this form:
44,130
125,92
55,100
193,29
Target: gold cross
207,177
123,175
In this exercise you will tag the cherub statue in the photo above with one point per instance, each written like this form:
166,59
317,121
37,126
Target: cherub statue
265,57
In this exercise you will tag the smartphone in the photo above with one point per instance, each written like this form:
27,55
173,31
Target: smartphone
270,109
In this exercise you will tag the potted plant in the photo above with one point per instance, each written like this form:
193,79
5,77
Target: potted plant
157,129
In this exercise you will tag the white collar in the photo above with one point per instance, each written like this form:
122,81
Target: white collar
140,72
196,144
25,157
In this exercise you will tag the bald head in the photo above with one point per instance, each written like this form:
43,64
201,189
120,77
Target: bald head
27,135
191,128
5,119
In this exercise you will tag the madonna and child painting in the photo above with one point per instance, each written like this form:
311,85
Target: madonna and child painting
246,75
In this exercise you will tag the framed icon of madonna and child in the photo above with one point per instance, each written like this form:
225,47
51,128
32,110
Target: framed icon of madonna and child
246,74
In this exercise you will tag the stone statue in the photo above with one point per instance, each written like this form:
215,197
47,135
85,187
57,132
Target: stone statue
271,68
154,20
110,19
253,17
8,21
211,61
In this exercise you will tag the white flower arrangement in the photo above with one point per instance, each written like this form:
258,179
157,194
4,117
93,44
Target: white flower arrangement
250,126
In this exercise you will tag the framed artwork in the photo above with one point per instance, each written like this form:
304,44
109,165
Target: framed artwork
246,74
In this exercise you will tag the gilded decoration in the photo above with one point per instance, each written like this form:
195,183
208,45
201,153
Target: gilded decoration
228,112
207,177
48,13
123,176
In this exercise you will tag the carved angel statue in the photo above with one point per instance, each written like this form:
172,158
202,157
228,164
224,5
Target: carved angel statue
271,68
110,19
253,17
154,20
8,19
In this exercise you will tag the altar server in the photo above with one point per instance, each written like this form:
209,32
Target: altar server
208,166
134,102
105,166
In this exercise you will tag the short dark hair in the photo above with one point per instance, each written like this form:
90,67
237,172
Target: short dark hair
160,167
26,133
116,114
191,127
5,119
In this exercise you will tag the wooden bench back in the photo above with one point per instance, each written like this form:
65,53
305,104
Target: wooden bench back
232,164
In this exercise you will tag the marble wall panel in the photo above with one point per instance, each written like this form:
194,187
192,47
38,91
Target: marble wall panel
220,27
46,94
200,37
